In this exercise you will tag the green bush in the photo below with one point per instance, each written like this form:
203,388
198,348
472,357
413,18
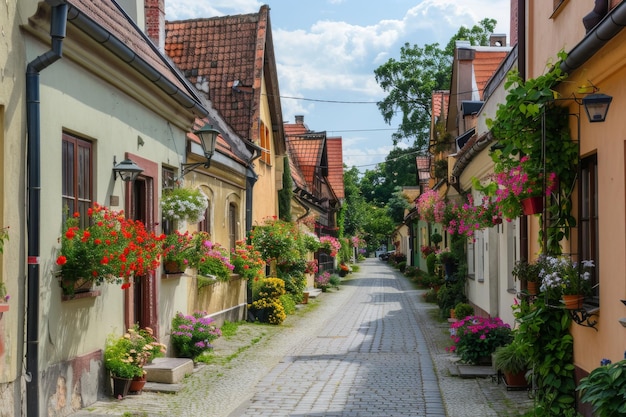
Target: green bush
430,296
334,281
449,296
402,266
462,310
289,304
605,389
431,260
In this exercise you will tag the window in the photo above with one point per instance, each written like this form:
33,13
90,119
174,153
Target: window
232,225
205,224
266,144
588,238
77,177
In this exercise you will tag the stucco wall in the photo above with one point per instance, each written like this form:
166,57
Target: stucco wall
75,102
605,70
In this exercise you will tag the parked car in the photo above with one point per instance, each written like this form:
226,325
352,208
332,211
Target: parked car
381,250
385,256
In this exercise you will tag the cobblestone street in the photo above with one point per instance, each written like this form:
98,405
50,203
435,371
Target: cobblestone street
371,348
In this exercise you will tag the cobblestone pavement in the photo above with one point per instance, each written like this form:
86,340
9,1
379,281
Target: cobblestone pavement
371,348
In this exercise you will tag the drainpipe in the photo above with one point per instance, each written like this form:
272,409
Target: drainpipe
57,33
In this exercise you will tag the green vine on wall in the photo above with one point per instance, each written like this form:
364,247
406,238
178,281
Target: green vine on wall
531,111
545,330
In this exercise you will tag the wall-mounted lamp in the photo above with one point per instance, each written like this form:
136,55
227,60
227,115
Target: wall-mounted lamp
208,139
127,169
597,106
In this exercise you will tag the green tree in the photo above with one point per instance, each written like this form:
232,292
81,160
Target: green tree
286,193
354,208
378,226
411,80
409,83
397,204
476,35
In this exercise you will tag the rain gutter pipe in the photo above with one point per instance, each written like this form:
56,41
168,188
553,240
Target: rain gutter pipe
58,21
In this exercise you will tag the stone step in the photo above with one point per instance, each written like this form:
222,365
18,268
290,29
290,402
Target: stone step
313,292
168,370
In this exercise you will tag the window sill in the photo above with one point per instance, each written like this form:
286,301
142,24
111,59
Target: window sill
166,275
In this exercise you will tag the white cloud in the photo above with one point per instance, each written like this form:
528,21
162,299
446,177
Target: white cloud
192,9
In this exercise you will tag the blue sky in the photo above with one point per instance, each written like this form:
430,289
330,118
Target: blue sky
327,51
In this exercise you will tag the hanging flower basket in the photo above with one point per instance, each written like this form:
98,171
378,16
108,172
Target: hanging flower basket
532,205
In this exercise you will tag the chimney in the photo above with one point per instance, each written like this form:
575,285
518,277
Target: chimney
513,25
155,22
497,39
300,120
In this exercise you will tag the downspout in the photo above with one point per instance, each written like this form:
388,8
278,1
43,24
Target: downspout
251,179
57,33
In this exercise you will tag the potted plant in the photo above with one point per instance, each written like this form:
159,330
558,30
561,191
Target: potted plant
512,360
247,261
446,258
183,250
214,261
184,204
436,239
527,272
110,248
604,389
563,278
124,357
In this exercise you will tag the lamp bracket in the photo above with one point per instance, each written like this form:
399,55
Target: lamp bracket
187,168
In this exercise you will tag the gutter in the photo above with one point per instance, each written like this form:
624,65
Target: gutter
126,54
477,147
606,30
58,21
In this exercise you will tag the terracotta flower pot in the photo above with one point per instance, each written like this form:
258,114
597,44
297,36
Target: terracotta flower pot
137,384
517,380
573,302
172,267
532,287
532,205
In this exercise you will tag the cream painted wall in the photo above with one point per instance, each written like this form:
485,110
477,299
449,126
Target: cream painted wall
75,102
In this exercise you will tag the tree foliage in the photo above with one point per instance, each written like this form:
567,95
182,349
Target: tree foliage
286,193
411,80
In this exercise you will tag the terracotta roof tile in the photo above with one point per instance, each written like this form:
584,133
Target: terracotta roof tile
306,152
440,101
485,65
334,146
215,53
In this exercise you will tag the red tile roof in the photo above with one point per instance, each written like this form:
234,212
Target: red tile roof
306,153
334,148
227,58
486,63
440,101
